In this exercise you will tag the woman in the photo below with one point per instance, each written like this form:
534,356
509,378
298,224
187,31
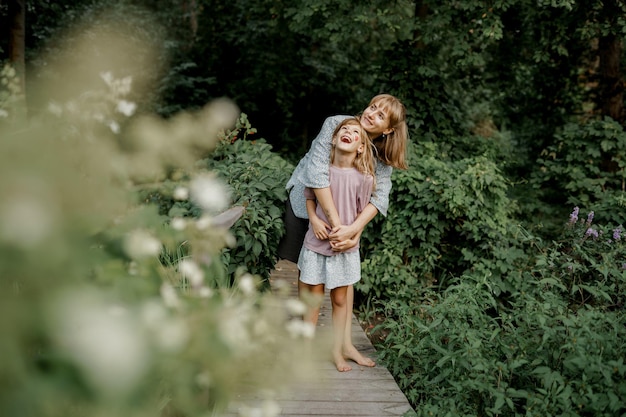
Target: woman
385,122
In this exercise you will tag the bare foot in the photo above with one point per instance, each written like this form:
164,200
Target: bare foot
351,353
341,364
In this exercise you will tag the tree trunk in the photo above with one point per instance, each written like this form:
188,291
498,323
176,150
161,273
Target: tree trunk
17,49
611,88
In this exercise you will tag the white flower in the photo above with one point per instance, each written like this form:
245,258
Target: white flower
4,113
55,108
269,408
26,220
247,284
204,379
127,108
114,126
299,328
107,77
123,85
141,244
108,348
172,335
205,292
170,298
203,222
209,193
295,307
181,193
178,223
190,270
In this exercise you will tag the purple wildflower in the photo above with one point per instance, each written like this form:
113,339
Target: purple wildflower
624,265
590,218
573,218
617,233
591,232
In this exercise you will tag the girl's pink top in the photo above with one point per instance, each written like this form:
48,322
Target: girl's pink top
351,192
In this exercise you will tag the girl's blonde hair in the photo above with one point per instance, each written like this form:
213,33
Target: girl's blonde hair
391,148
364,161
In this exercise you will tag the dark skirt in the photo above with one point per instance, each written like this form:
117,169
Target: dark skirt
295,229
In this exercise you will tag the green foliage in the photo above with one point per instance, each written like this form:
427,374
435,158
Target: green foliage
446,218
257,179
588,262
586,167
551,345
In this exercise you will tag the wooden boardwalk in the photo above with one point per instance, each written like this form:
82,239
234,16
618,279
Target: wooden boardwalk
361,392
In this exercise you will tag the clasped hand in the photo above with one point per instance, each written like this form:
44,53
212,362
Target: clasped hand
341,237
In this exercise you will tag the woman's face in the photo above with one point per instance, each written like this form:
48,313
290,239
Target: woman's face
375,121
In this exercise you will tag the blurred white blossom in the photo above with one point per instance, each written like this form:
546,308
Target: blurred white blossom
141,244
204,222
204,292
190,270
127,108
114,126
247,284
172,334
209,193
269,408
181,193
295,307
26,220
299,328
170,298
104,341
178,223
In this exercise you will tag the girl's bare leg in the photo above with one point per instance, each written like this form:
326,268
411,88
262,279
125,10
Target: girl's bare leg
314,293
349,350
338,298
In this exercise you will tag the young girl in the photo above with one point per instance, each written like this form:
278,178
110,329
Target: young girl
384,119
351,183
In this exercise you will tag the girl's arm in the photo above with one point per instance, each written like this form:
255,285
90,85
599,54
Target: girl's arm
319,226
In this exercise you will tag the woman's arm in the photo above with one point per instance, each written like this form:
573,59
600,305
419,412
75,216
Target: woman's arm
316,172
346,237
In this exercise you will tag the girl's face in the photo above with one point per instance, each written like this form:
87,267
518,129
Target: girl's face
349,138
375,121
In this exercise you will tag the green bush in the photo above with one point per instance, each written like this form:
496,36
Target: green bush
257,179
445,218
552,345
584,167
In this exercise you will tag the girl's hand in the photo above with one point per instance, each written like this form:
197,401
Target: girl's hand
320,228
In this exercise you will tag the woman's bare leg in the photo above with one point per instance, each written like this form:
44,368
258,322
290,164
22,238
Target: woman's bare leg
338,297
349,350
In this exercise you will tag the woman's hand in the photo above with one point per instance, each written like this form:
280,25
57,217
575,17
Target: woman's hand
342,233
344,245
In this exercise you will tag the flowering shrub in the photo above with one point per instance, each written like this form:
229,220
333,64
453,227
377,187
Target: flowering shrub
93,320
551,345
588,262
10,91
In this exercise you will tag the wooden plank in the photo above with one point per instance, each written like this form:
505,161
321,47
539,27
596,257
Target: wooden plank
363,391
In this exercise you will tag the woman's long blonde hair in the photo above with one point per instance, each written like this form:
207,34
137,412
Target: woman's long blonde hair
364,161
391,148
